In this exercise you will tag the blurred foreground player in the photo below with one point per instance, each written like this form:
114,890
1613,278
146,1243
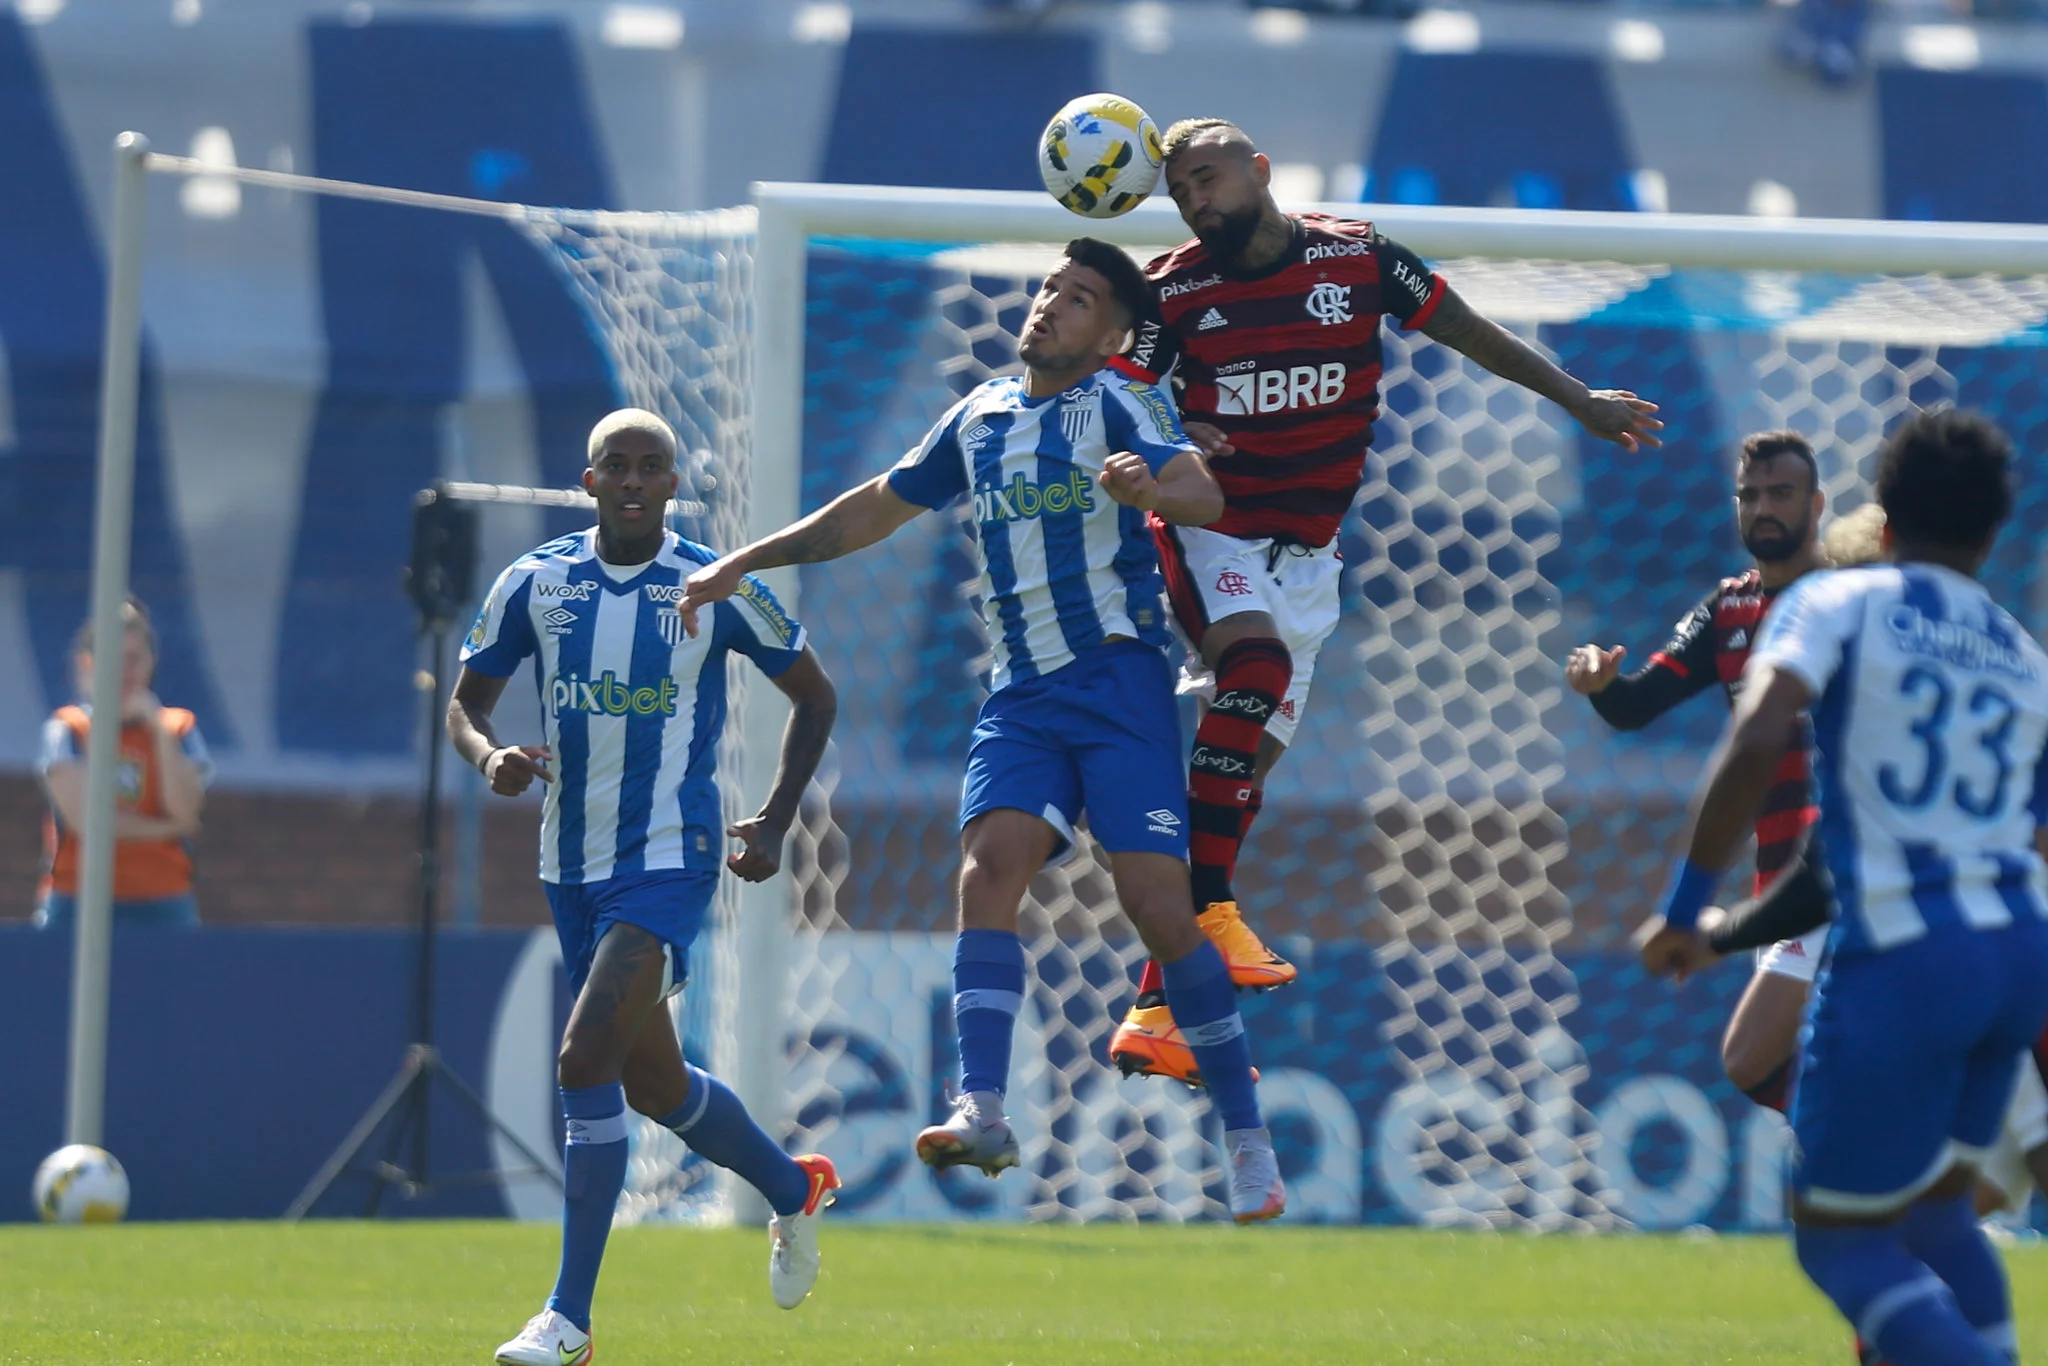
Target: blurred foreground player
1062,465
1269,326
1930,713
631,840
1778,506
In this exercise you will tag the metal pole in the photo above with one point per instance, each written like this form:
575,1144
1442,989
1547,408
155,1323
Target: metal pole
762,1016
120,373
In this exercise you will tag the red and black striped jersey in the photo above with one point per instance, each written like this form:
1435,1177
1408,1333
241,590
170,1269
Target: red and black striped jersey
1711,645
1286,361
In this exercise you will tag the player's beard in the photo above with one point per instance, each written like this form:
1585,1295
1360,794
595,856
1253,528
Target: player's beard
1227,238
1772,543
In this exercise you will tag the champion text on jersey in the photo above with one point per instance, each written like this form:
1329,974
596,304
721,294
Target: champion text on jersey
1330,303
1955,642
1211,321
1022,499
1270,391
606,695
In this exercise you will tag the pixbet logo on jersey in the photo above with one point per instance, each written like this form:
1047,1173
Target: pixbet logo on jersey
1271,391
605,695
1022,500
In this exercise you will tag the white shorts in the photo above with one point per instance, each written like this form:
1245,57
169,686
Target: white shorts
1798,958
1210,576
2026,1128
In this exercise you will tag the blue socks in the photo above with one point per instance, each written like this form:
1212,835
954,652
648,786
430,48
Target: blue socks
988,991
1204,1005
1895,1303
1945,1235
593,1174
719,1129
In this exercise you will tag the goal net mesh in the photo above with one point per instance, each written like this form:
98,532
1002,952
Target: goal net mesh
1452,836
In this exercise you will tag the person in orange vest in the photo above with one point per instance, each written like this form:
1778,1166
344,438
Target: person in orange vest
159,793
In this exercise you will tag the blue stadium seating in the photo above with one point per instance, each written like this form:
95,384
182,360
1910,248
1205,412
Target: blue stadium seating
1534,129
1964,146
491,110
920,107
52,299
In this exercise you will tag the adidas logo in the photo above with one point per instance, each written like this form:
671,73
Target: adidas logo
1211,319
1739,641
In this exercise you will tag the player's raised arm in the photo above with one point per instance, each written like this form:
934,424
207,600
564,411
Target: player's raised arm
855,520
1611,414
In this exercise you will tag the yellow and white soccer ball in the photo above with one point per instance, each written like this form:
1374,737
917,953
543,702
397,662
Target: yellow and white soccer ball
1100,156
81,1184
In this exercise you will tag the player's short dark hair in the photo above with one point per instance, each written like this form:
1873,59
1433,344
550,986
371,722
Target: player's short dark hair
1761,446
1945,479
1180,134
1127,283
134,621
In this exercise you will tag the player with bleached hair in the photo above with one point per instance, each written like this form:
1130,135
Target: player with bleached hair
1061,467
632,844
1930,722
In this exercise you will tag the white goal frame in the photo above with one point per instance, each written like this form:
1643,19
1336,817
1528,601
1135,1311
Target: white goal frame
789,216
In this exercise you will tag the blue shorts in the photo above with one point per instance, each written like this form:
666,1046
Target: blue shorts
1101,735
669,904
1909,1062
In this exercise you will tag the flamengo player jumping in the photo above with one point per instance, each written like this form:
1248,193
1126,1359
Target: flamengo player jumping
1061,466
1930,726
630,843
1778,504
1269,325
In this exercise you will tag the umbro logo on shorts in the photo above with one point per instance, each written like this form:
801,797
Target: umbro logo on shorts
1163,822
1211,320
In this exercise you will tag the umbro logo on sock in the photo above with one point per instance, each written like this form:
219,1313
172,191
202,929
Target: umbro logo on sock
1211,319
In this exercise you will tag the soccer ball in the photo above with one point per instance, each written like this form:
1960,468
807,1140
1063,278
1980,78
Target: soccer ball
1100,156
81,1184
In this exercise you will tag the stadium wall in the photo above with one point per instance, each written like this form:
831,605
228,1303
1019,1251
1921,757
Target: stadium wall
239,1059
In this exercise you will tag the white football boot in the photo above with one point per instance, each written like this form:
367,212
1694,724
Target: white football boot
548,1339
793,1238
1256,1191
975,1135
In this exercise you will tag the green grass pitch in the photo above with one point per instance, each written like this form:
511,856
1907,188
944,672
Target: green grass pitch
913,1296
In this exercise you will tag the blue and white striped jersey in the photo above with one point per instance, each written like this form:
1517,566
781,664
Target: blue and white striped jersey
1063,565
1929,723
631,705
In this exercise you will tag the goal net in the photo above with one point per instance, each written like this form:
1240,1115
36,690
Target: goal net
1452,845
1452,850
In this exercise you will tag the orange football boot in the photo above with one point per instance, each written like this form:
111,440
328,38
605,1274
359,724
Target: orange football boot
1251,963
1149,1044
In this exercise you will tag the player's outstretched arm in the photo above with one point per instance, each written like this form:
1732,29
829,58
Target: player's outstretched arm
1184,492
814,705
511,769
1739,776
1611,414
855,520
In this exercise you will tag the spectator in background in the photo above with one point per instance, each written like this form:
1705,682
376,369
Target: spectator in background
164,769
1826,36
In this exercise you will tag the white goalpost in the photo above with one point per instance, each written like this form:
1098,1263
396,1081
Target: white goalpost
1459,838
